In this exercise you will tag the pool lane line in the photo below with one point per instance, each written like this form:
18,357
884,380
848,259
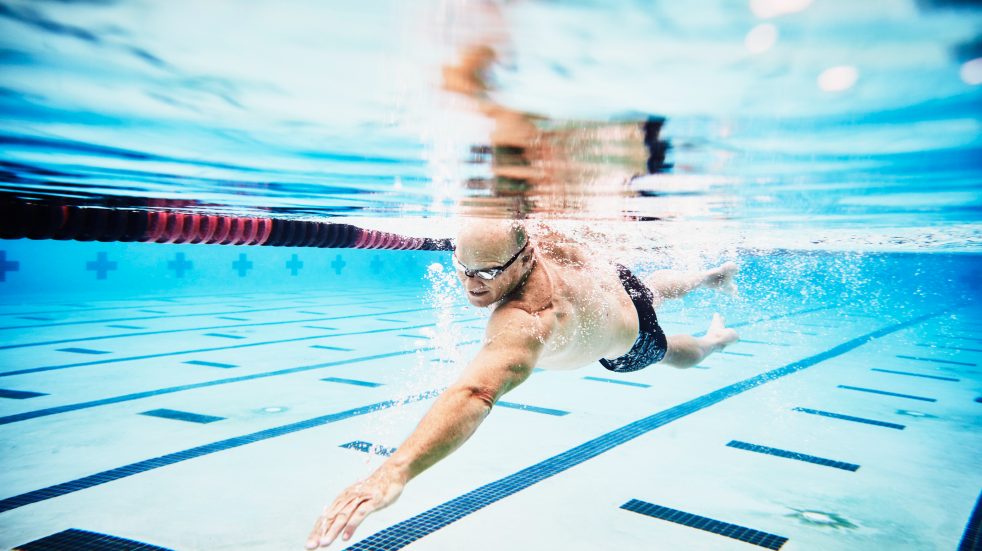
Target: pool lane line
936,360
888,393
911,374
207,328
138,467
174,302
212,349
188,315
852,418
926,345
797,456
414,528
34,414
713,526
972,537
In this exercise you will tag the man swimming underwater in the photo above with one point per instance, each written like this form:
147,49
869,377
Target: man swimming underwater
555,308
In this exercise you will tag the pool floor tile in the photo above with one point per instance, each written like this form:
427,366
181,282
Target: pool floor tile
735,531
182,415
19,394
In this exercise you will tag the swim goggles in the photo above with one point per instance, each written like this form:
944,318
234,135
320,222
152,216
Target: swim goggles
487,274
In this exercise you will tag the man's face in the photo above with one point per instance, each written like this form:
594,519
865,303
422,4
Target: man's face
482,292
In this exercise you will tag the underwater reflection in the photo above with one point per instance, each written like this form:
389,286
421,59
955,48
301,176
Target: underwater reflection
542,165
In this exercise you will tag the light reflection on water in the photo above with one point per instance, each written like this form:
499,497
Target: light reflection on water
790,124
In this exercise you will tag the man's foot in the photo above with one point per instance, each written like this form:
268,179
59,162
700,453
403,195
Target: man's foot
720,335
721,278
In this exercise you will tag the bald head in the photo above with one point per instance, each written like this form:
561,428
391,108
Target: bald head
488,242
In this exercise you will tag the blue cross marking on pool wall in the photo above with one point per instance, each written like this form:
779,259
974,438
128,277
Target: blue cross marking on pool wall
294,265
376,265
101,265
7,266
338,264
242,265
180,264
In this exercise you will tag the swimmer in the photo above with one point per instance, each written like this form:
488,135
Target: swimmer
554,307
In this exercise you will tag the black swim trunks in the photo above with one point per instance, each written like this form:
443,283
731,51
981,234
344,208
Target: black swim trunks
651,344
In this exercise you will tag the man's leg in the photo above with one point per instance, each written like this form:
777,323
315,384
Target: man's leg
687,351
669,284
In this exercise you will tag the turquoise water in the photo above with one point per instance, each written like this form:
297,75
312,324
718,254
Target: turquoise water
192,396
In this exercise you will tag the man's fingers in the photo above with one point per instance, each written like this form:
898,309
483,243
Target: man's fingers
357,516
341,520
320,527
341,503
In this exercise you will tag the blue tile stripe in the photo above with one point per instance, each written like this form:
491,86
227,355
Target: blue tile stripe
80,307
207,314
949,347
350,382
19,394
182,416
212,349
536,409
793,455
735,531
748,341
335,348
17,417
75,539
851,418
83,351
964,338
916,374
412,529
617,382
210,364
885,393
972,538
111,475
936,360
224,335
190,329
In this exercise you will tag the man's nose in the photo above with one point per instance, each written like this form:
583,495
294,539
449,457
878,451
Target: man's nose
472,282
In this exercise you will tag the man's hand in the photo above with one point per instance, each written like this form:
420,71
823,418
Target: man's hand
353,505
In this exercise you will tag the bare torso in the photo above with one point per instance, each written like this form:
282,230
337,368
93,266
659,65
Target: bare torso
583,304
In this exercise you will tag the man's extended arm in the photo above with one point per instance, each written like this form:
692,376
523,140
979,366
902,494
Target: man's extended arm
514,341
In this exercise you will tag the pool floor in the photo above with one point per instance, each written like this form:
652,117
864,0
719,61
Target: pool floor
229,421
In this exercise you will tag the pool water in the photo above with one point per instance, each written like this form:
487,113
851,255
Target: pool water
225,415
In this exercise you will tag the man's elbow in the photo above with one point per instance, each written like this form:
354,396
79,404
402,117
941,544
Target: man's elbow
480,394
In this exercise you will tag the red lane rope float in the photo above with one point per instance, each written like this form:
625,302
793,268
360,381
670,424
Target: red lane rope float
206,228
267,227
223,226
